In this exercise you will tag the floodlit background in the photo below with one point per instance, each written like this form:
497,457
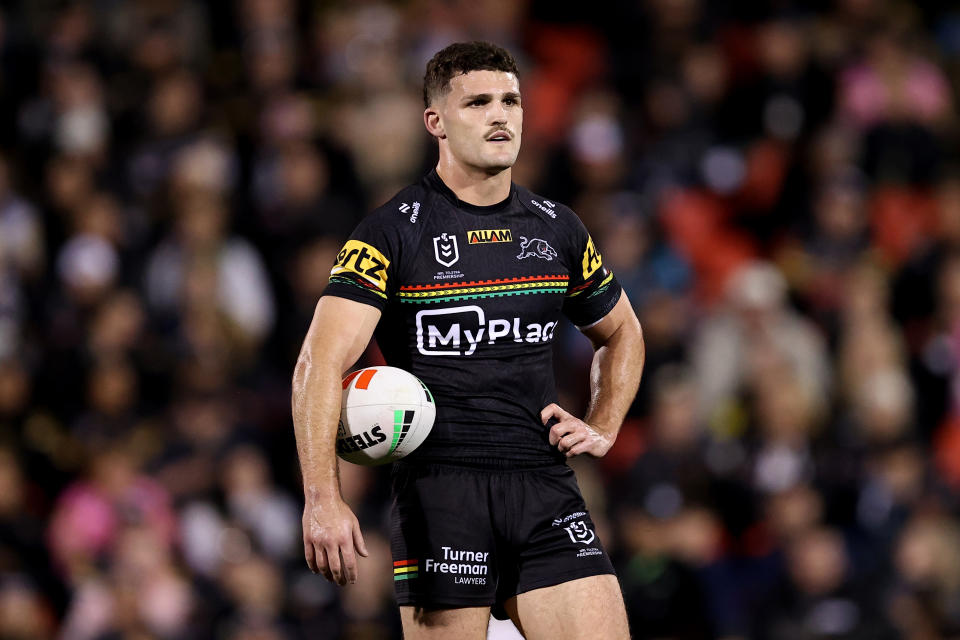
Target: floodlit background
776,185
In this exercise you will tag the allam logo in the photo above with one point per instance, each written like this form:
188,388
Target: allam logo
483,236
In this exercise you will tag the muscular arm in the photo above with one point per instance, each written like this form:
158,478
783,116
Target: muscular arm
338,334
614,379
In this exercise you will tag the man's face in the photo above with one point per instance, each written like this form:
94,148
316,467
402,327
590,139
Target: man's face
482,118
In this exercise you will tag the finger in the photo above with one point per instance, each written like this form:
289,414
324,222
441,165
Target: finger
568,441
310,556
333,559
560,430
358,542
552,410
349,559
323,565
581,447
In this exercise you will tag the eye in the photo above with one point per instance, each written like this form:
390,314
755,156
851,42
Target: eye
479,102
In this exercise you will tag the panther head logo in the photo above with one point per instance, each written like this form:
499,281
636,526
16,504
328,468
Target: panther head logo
536,248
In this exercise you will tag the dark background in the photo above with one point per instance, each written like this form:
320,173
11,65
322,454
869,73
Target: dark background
776,185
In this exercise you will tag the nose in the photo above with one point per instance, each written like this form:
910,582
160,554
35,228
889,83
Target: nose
498,113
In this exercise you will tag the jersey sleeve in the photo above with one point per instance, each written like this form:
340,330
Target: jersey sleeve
365,268
593,290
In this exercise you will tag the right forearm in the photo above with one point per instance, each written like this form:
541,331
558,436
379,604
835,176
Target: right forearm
316,412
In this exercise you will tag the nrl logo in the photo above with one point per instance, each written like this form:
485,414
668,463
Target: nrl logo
445,249
580,532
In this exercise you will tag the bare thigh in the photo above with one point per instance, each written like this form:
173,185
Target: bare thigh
467,623
585,608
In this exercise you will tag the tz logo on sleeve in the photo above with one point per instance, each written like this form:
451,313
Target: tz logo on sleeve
365,261
591,259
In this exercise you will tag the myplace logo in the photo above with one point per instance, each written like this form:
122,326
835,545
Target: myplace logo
456,331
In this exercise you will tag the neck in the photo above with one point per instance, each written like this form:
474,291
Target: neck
475,186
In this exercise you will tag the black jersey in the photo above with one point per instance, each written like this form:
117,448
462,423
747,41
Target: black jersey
471,297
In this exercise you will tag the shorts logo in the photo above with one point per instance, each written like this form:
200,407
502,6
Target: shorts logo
363,260
535,248
445,249
466,567
580,532
483,236
405,570
591,259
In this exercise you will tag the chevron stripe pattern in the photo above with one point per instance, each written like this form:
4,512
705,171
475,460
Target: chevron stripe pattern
453,291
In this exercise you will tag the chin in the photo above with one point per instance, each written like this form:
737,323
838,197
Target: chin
495,168
496,165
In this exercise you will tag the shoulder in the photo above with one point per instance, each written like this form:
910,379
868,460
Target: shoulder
546,208
400,211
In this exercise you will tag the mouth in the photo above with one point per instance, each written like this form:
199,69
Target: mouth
500,136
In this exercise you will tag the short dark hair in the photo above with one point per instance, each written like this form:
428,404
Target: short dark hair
463,57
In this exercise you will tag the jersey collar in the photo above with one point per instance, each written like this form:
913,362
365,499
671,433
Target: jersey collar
437,184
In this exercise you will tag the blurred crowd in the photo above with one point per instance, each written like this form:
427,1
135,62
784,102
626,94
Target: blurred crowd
776,185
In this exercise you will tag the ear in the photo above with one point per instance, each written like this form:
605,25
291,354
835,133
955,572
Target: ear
433,123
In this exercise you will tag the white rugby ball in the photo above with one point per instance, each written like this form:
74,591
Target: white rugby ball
385,413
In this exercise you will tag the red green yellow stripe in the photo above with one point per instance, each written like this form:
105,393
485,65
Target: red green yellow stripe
504,288
405,569
481,283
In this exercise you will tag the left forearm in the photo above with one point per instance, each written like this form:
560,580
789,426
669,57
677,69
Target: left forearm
615,377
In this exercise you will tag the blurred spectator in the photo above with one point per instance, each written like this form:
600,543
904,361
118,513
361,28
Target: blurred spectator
755,334
819,599
87,521
926,603
201,265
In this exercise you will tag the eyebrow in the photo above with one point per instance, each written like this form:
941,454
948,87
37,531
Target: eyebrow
488,96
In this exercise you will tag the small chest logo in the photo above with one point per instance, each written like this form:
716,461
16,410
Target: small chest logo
445,249
536,248
580,532
546,207
404,207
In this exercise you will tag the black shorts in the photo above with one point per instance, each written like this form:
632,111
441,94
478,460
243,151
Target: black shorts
464,537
